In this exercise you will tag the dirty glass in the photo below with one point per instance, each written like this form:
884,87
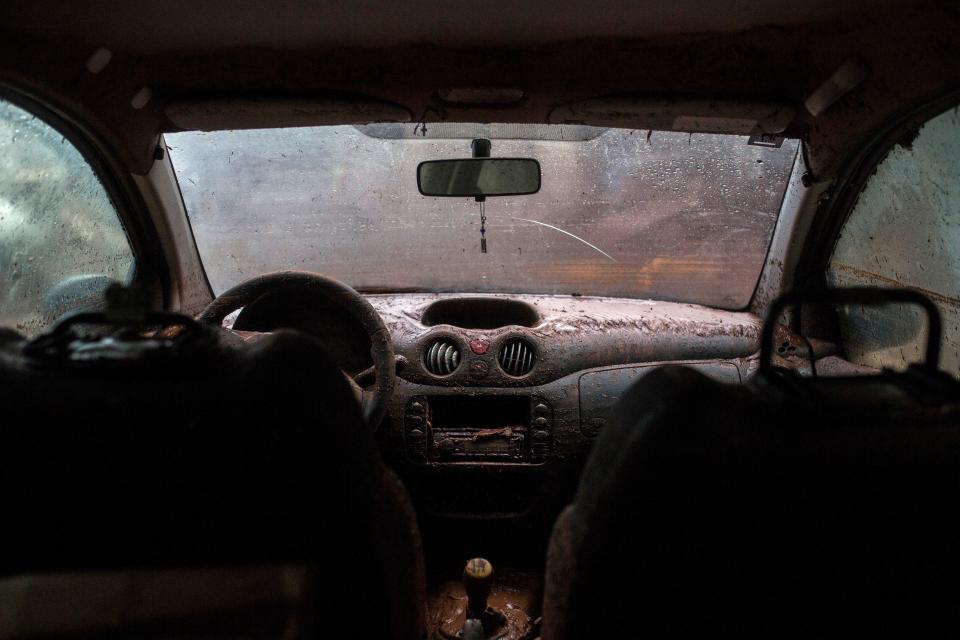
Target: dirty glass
904,231
60,238
620,212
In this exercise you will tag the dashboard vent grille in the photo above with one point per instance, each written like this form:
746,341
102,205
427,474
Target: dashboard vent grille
516,358
442,357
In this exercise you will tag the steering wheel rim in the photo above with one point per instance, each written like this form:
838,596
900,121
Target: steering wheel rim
339,295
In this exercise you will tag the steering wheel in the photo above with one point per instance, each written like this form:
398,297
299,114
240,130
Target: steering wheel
338,295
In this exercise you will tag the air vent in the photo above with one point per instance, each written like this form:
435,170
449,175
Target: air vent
516,358
442,357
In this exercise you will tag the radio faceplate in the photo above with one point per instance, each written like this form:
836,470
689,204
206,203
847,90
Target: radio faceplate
478,428
498,445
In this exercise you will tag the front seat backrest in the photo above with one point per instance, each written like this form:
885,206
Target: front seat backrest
773,509
207,454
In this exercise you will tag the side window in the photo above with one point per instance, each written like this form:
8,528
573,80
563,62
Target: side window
61,242
905,231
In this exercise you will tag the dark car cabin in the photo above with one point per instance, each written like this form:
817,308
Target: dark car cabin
479,319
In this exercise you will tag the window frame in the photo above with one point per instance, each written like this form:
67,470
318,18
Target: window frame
149,269
832,216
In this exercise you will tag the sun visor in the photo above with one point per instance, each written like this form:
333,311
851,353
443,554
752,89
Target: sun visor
274,113
695,116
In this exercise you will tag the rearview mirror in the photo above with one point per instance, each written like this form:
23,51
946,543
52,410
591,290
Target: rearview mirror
476,177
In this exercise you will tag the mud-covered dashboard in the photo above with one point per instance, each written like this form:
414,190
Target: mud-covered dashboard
498,396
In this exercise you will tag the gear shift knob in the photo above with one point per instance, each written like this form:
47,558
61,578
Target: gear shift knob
477,581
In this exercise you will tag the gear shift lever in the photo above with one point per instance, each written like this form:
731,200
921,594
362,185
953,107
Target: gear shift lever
480,620
477,581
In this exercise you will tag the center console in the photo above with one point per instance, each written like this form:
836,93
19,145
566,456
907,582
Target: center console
478,428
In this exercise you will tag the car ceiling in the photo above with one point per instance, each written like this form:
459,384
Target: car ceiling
143,26
401,53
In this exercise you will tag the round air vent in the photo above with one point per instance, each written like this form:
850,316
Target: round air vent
442,357
516,357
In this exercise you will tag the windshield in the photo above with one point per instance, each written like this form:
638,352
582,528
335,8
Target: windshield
663,215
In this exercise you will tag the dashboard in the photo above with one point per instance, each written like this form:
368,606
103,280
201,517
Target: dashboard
499,398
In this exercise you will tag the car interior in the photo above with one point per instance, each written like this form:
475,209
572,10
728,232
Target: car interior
476,320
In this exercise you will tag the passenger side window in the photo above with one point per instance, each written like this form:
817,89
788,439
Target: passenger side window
61,242
904,231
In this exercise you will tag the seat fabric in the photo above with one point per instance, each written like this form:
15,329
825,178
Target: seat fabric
769,509
224,455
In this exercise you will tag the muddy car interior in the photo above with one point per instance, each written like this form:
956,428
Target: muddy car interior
476,320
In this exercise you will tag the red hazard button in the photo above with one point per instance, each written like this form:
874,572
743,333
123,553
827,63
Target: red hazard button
479,345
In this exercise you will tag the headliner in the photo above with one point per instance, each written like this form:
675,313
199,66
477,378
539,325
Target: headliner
557,52
152,26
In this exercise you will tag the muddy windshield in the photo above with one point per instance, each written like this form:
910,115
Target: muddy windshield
671,216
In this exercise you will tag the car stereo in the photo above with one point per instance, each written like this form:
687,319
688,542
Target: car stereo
483,428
